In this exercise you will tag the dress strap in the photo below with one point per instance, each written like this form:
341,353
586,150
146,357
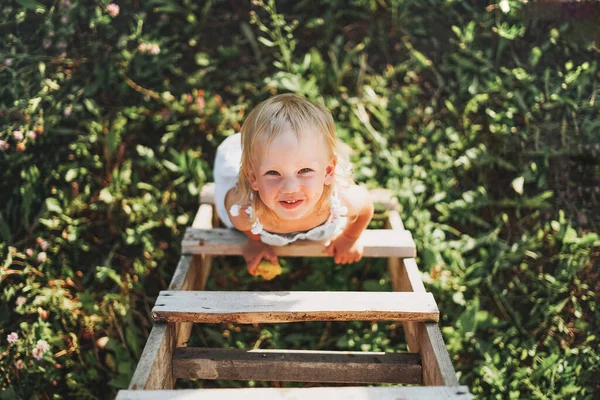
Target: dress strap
337,209
257,227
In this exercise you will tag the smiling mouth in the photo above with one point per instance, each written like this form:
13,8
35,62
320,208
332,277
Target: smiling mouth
289,204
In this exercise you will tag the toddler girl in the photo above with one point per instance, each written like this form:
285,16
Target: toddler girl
283,178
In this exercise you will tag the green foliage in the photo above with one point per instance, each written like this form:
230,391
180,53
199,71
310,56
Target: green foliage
483,121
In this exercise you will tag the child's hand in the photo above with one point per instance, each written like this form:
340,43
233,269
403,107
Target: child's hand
254,251
345,250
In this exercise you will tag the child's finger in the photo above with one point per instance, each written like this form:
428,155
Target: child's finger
271,256
252,265
329,249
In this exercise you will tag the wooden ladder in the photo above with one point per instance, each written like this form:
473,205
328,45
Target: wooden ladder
166,357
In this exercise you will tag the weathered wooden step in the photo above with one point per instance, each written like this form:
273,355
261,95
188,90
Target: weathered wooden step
270,307
223,241
298,365
329,393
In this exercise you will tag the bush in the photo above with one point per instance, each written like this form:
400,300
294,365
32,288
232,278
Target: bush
481,120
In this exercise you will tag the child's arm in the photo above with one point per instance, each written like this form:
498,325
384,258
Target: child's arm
254,250
346,248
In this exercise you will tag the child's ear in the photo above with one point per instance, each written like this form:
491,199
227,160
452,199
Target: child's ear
253,182
330,171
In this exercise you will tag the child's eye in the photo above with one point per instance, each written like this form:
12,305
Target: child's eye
305,170
271,172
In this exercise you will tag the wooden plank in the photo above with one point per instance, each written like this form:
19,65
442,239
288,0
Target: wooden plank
203,220
297,366
207,193
425,338
384,197
330,393
256,307
154,370
394,220
222,241
398,276
437,367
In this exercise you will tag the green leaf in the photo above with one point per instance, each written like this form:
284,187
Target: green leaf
33,5
53,205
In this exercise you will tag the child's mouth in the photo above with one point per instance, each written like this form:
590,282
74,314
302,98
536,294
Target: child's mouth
290,204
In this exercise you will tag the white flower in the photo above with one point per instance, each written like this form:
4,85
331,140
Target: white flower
37,353
42,345
31,135
42,257
18,135
12,337
3,145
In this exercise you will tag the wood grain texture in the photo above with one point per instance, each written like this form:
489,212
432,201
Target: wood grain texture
271,307
426,338
223,241
298,366
154,370
329,393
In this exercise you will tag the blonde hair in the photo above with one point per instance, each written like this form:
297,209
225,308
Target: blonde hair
272,117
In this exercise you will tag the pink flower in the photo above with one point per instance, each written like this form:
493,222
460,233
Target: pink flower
12,337
31,135
46,43
3,145
42,345
113,10
42,257
43,244
154,49
8,62
37,353
20,301
67,111
29,252
64,20
18,135
19,364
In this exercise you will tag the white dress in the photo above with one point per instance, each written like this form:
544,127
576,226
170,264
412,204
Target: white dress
225,172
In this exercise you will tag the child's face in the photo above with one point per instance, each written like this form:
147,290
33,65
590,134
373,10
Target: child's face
290,174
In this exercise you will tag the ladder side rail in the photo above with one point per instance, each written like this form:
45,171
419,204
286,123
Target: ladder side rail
154,369
423,337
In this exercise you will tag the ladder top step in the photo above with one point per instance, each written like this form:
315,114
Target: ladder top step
273,307
223,241
331,393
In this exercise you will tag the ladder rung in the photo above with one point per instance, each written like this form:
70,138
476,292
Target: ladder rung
258,307
297,366
329,393
222,241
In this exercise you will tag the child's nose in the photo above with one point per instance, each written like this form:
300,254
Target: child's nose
290,185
